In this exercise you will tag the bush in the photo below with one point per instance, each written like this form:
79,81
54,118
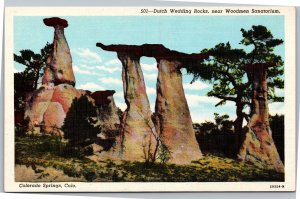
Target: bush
20,129
79,127
164,154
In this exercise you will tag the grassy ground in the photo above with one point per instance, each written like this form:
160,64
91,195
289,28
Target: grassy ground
42,159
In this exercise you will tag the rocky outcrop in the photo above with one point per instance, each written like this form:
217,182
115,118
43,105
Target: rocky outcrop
64,94
173,116
259,147
35,107
173,124
54,118
137,137
46,108
59,64
107,111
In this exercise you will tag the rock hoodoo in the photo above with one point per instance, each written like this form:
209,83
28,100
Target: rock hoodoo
59,64
107,112
138,132
172,114
259,147
47,107
173,124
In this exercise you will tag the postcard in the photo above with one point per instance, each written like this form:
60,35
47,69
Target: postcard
146,99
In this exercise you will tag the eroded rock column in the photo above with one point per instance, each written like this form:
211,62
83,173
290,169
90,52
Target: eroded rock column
137,136
47,107
59,64
173,117
258,147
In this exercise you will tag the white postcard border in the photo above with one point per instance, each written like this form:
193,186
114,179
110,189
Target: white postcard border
290,108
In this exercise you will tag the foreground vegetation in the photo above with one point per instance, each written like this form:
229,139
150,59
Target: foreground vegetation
46,159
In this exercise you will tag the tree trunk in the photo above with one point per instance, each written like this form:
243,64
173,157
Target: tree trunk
238,123
36,78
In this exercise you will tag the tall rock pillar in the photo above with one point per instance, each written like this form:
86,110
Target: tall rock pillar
258,147
59,64
47,106
137,137
173,117
173,124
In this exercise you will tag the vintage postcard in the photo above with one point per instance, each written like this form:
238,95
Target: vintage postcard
112,99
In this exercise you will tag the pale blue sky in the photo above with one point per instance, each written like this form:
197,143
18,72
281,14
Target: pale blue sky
96,69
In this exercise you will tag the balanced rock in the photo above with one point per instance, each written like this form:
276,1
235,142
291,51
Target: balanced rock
59,64
47,107
259,147
172,121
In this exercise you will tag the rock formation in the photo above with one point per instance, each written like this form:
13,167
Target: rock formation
47,107
59,64
259,147
107,112
138,131
173,124
172,114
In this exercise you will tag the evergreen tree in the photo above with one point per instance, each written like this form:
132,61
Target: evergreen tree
34,62
224,69
27,81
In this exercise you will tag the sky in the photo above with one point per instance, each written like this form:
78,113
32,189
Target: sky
96,69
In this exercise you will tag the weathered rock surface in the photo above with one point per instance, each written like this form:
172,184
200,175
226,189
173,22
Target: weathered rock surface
173,116
259,147
107,112
36,106
137,137
47,107
173,124
64,94
54,118
59,64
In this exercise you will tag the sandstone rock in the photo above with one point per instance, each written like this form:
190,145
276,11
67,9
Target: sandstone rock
259,147
64,94
107,112
173,116
137,138
54,118
59,64
48,76
47,107
173,124
36,105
